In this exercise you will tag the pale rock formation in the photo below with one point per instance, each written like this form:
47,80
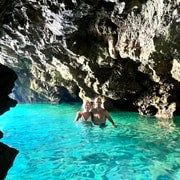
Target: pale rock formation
125,51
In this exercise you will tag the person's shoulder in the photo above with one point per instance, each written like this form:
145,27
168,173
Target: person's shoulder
79,113
103,109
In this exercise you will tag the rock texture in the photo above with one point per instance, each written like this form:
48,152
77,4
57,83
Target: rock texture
125,51
7,154
7,157
7,79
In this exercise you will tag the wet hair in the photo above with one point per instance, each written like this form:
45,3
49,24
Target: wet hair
102,100
84,104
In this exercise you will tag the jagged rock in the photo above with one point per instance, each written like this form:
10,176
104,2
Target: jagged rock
7,154
1,134
7,79
122,50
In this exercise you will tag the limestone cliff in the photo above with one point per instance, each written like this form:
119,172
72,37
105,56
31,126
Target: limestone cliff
126,51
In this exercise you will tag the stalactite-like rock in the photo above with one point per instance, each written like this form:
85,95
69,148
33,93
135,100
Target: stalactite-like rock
125,51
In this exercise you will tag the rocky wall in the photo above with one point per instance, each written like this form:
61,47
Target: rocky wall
125,51
7,153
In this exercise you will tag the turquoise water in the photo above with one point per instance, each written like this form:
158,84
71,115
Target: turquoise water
52,147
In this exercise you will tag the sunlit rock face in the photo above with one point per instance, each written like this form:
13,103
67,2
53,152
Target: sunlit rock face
125,51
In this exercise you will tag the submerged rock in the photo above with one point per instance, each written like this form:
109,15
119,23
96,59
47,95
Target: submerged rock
1,134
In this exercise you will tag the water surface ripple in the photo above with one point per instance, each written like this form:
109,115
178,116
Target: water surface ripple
53,147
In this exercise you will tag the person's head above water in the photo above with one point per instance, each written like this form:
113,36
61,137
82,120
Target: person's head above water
87,105
98,102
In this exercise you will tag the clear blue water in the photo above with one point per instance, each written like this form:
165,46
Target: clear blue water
52,147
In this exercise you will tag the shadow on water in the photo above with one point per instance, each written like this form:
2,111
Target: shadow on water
96,158
176,121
